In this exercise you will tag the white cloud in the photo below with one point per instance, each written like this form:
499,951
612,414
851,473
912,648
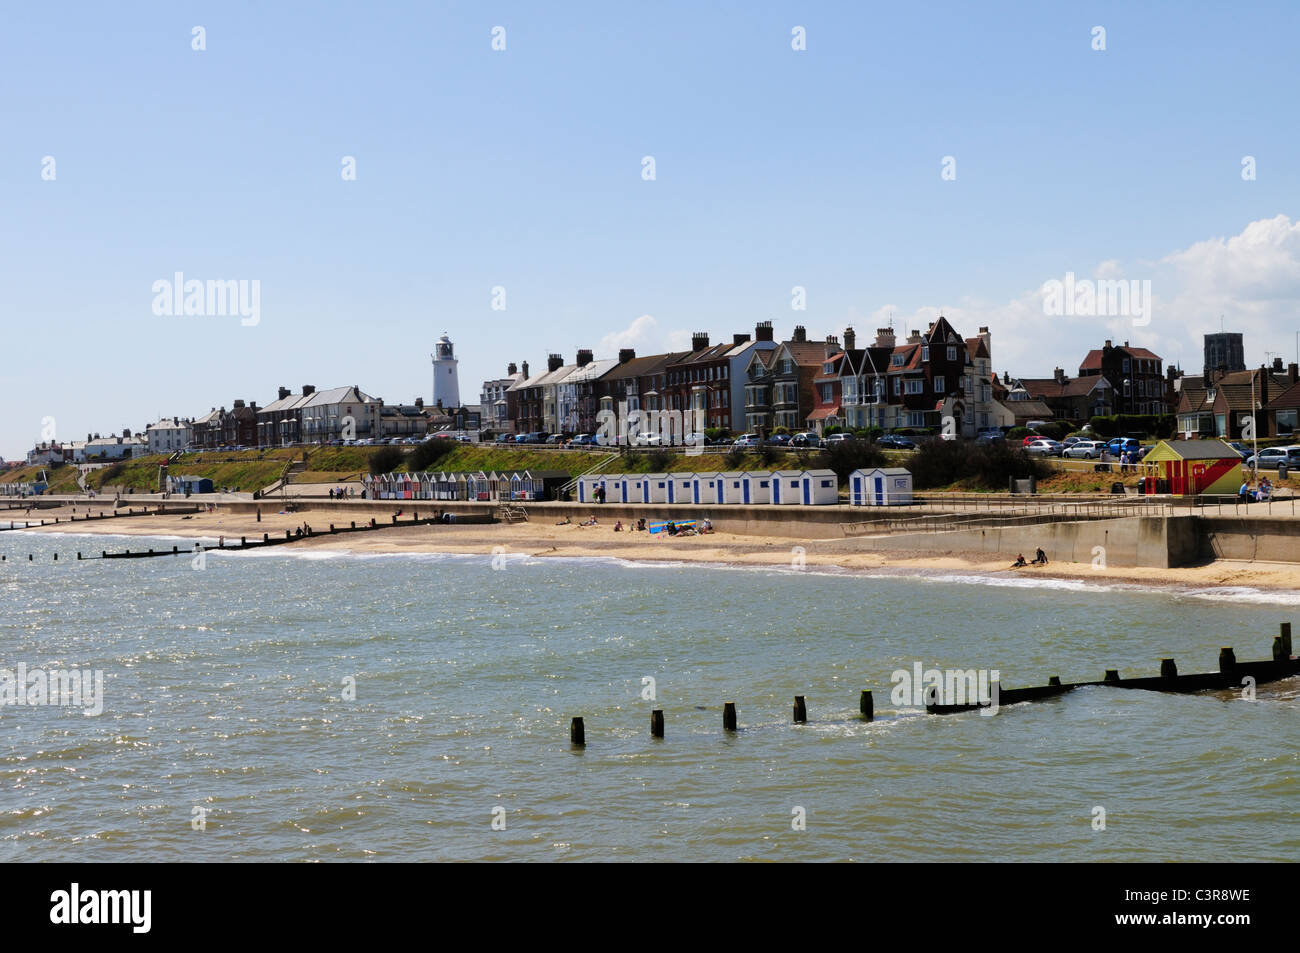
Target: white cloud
1252,279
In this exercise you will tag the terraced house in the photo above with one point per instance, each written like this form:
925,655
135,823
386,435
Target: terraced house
921,382
779,389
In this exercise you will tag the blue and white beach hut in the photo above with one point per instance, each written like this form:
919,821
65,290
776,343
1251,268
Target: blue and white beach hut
628,489
881,486
787,487
733,486
819,488
706,488
757,487
654,488
680,487
587,489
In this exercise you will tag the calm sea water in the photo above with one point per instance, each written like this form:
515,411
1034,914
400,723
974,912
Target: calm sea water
224,690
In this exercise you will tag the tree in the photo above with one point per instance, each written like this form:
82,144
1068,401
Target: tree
386,460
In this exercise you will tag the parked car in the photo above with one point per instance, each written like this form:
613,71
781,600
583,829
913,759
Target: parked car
505,438
1084,449
989,437
747,440
1270,457
1044,447
581,440
894,442
1241,448
1117,445
837,440
779,439
555,438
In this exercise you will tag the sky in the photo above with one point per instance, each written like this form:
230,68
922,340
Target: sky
911,160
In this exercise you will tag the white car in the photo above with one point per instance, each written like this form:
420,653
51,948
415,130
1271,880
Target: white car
1085,449
1044,448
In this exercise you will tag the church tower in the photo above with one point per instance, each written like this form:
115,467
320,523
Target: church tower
446,386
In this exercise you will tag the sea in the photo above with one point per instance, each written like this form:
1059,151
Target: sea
332,706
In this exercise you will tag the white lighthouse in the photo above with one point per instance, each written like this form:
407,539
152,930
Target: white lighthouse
446,385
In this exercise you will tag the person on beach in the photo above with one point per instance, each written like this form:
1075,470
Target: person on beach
640,525
1244,493
618,526
1265,489
564,522
1040,558
1020,561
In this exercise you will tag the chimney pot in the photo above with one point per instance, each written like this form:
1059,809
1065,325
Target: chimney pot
626,354
850,338
699,340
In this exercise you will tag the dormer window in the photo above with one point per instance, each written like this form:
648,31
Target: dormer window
925,353
897,360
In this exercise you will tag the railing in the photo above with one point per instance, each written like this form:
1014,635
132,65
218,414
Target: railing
594,468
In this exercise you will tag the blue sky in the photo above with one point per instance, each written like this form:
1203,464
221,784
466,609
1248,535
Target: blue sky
522,168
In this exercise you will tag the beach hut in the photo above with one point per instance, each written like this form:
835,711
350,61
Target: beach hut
410,483
680,487
461,493
733,486
654,488
628,489
1192,467
587,489
757,487
787,487
819,488
880,486
444,486
706,488
426,484
478,487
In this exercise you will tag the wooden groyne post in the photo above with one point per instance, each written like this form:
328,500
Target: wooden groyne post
657,723
800,710
577,733
866,706
729,716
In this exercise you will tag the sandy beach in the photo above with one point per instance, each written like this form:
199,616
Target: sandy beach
545,539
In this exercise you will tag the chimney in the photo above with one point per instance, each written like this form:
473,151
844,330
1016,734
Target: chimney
524,370
554,362
1126,343
283,392
1293,372
699,340
832,345
419,403
626,354
239,405
584,357
1059,375
800,334
1107,343
885,337
511,370
915,336
739,339
763,331
850,339
308,389
1278,367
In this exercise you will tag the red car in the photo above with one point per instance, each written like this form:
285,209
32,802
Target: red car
1031,438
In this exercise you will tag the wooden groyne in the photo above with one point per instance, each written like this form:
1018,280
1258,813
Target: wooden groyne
94,518
290,536
1230,676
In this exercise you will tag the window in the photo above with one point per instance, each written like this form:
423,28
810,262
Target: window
952,352
939,387
915,387
898,386
896,360
925,353
916,418
827,392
